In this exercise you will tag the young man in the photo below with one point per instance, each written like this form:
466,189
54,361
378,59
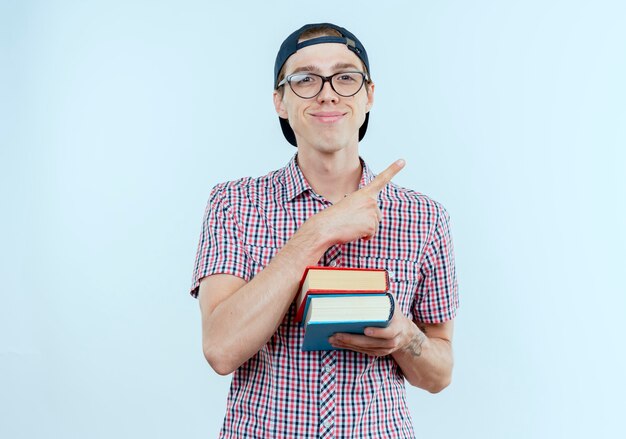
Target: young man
325,207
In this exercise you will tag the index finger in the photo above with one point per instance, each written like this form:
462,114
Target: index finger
381,180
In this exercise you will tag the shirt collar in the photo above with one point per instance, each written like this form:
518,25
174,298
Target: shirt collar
366,176
296,183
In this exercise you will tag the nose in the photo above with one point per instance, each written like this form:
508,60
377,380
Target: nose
327,94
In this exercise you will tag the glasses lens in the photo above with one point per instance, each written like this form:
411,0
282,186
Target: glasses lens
308,85
347,84
305,85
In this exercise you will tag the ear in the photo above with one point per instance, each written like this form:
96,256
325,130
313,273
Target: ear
370,96
279,105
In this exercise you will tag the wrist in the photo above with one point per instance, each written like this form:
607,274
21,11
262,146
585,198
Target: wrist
308,242
314,235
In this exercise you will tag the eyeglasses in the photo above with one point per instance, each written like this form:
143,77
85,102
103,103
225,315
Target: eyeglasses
309,85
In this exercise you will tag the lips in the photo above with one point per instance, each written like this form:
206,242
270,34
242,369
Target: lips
328,116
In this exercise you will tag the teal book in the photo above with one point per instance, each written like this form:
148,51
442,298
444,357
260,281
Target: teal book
327,314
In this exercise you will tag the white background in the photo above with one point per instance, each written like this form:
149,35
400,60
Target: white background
117,118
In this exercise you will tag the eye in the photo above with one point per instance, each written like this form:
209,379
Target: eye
348,77
303,79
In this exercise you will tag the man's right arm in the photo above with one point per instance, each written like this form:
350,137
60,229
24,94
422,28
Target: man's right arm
238,318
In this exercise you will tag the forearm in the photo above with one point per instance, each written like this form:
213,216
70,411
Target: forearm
242,323
426,361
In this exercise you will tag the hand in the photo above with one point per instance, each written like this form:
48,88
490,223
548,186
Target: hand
357,215
401,333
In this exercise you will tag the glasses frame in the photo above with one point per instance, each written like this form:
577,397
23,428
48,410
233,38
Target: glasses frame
324,79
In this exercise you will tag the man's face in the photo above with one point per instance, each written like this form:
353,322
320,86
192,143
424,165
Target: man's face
328,122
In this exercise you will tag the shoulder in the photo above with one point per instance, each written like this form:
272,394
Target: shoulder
247,188
410,201
425,219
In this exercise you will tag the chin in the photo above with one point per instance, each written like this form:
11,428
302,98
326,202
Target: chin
331,146
333,143
329,142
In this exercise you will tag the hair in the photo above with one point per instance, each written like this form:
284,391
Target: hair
309,34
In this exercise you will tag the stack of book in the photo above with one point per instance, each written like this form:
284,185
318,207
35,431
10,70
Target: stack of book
332,300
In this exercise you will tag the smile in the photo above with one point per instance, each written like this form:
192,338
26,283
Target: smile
328,116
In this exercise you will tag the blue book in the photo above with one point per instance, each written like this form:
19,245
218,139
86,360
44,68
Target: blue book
327,314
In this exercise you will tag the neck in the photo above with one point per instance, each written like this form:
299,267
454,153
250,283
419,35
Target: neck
333,174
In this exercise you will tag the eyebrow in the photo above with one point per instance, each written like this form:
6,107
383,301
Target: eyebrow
315,69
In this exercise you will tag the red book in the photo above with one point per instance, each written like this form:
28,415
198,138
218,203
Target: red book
339,280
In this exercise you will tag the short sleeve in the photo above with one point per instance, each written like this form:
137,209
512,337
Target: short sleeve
438,298
220,249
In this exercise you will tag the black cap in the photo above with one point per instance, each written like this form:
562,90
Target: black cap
291,46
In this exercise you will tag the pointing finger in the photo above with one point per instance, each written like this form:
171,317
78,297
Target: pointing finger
381,180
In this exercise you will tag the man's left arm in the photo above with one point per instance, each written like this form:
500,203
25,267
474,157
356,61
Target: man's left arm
423,351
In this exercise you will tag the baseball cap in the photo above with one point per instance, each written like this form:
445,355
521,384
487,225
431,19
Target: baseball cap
291,46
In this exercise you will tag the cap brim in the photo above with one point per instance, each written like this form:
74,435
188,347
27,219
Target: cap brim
287,131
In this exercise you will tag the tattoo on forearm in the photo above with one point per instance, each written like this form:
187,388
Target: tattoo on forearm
415,345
